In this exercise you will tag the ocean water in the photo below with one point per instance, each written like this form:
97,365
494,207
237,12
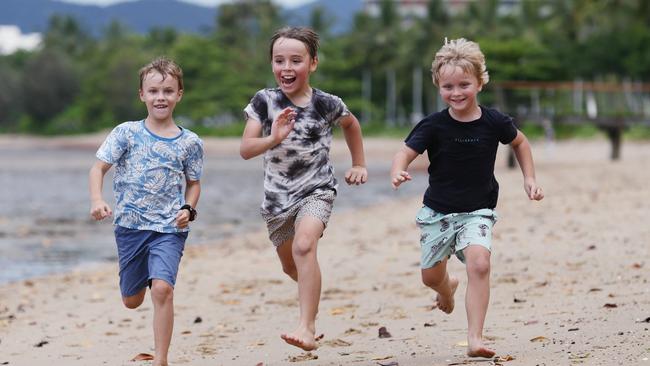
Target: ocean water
45,225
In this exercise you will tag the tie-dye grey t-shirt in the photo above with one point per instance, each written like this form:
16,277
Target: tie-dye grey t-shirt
299,165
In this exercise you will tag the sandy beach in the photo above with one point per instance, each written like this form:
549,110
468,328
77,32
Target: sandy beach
570,282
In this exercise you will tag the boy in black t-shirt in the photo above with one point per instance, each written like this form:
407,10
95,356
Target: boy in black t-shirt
458,213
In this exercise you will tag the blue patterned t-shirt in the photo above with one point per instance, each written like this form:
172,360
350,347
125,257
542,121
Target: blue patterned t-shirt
150,172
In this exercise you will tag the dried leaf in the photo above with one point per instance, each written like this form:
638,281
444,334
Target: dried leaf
383,333
338,343
379,358
389,363
539,339
142,357
303,357
429,325
505,358
610,305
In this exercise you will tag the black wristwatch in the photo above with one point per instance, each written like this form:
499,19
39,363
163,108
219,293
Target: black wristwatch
191,210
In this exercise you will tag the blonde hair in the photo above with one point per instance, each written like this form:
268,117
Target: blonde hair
462,53
165,67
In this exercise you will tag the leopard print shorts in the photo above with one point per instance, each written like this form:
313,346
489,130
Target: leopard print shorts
282,227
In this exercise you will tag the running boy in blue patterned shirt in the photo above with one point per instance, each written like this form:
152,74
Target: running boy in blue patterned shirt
458,213
153,159
292,126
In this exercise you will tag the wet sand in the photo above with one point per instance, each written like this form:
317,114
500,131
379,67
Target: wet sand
570,283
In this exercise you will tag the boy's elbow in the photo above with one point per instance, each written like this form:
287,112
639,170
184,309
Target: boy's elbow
245,154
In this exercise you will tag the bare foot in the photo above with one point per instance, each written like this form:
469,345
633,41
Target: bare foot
446,304
479,350
301,338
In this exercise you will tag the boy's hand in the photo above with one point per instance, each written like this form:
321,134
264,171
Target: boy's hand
182,219
356,175
399,178
283,124
100,210
533,191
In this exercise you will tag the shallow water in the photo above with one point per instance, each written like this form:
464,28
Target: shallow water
45,227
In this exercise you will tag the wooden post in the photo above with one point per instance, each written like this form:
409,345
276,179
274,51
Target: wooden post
615,134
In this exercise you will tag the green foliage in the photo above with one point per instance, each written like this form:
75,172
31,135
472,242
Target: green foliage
77,83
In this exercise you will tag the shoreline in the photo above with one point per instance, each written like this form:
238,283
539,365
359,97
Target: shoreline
569,282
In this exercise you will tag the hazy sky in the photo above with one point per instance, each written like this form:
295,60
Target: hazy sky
287,3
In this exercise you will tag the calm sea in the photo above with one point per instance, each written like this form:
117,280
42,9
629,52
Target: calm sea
45,227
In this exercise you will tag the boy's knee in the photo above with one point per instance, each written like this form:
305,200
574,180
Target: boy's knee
303,246
161,290
432,281
133,302
479,266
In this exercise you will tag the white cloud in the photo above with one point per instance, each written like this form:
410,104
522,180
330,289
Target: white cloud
11,40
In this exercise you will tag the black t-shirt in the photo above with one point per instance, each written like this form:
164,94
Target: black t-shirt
461,156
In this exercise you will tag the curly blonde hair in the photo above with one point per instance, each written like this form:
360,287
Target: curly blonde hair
462,53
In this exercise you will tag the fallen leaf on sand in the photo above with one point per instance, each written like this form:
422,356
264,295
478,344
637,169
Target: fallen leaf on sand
610,305
197,320
41,343
389,363
383,333
142,357
352,331
337,343
379,358
503,358
539,339
303,357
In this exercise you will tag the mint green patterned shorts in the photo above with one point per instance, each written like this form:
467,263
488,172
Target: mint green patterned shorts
445,234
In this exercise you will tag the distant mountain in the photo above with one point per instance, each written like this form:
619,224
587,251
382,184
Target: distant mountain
139,16
341,12
143,15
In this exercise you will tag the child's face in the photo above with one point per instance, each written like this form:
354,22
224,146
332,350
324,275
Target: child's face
458,88
292,65
160,96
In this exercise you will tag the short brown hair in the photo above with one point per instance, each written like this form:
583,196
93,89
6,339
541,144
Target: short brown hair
462,53
165,67
303,34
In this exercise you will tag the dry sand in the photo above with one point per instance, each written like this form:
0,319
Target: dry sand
570,284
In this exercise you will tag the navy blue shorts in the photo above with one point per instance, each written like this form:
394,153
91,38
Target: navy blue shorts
145,255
